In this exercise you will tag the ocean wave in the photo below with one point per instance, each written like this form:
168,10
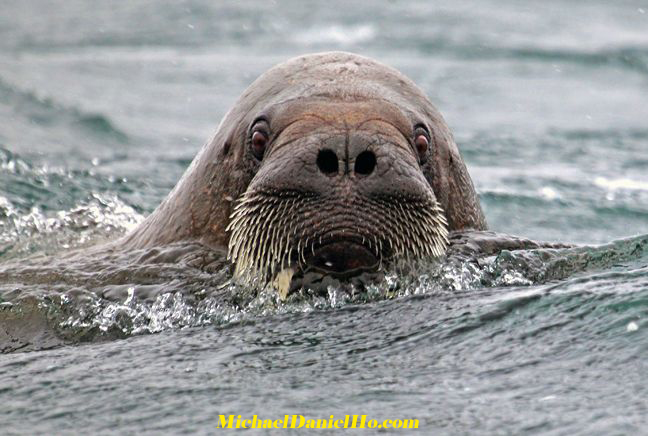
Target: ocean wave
44,110
344,35
630,58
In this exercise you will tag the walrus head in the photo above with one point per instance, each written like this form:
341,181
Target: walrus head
329,162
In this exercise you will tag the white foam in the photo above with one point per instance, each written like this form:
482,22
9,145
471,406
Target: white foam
617,184
549,193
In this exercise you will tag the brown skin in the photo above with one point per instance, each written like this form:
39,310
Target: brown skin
339,102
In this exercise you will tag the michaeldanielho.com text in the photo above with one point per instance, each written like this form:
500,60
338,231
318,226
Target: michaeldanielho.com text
299,421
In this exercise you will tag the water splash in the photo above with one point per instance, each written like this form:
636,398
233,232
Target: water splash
115,295
103,216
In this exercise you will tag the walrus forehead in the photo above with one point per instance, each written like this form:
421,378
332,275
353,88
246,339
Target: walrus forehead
344,115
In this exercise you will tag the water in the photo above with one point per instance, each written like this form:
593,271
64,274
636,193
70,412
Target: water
102,107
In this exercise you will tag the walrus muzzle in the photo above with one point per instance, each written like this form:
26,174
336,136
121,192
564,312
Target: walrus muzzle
335,199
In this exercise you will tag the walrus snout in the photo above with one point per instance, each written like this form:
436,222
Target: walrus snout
356,153
362,165
335,198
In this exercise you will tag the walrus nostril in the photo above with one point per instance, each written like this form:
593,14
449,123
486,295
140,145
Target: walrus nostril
365,163
327,162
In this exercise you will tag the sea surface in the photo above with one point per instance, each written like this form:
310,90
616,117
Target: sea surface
103,105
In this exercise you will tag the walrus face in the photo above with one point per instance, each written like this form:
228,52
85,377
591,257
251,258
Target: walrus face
338,188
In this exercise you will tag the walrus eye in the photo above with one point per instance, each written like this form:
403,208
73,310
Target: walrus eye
421,142
259,143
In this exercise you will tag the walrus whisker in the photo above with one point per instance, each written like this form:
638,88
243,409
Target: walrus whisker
263,239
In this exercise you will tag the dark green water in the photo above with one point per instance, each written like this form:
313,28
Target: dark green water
103,106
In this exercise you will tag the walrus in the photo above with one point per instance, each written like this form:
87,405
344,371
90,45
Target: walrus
329,165
330,162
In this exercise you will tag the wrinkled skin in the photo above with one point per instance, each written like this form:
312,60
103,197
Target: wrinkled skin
341,130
